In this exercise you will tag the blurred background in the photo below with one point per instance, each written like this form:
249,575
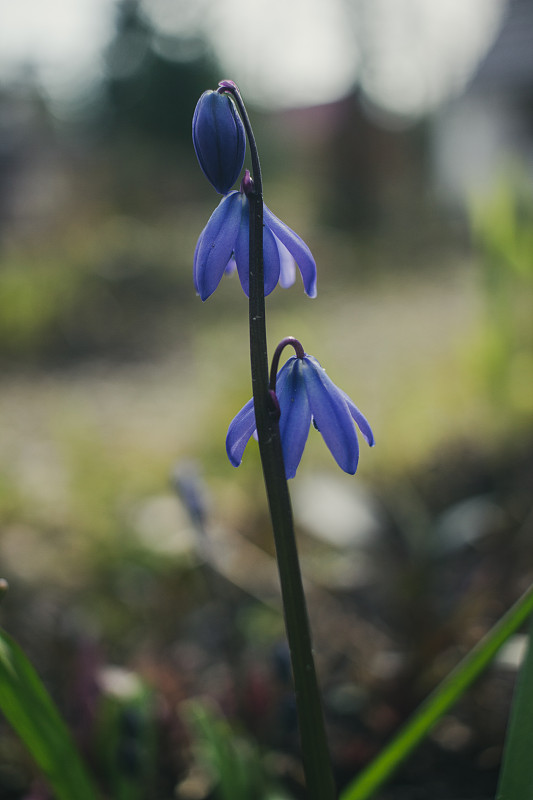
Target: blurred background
396,137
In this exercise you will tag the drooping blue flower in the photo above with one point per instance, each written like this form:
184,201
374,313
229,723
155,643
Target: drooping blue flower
219,139
305,394
224,243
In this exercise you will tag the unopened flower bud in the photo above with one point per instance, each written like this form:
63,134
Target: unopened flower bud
247,184
219,139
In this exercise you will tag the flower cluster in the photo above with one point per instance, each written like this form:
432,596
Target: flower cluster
305,394
301,388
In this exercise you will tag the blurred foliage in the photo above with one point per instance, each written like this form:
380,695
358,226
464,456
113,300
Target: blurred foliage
516,779
229,761
121,256
502,224
125,734
92,291
153,81
29,709
445,696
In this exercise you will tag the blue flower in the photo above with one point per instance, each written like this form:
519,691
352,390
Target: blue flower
223,246
306,394
219,139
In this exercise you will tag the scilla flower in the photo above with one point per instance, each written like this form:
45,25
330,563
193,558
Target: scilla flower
305,394
219,139
224,243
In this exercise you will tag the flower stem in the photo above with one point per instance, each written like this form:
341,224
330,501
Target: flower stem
315,753
288,341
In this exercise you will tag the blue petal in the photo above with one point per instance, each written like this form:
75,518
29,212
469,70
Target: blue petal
287,267
360,419
332,415
231,266
195,262
295,418
271,259
216,244
240,429
242,245
297,248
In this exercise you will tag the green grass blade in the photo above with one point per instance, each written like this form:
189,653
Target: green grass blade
439,701
236,762
29,709
516,776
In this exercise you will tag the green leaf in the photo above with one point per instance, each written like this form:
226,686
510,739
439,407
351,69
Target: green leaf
438,703
28,707
235,763
516,776
125,736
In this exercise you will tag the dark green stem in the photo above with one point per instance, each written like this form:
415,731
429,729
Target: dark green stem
315,753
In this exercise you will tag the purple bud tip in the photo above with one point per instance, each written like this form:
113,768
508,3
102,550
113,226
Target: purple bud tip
247,184
227,84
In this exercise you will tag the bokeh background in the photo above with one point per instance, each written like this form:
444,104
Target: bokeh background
396,137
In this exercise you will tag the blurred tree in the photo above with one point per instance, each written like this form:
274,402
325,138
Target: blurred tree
153,81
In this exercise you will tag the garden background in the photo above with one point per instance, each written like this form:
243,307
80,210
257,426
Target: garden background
140,565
